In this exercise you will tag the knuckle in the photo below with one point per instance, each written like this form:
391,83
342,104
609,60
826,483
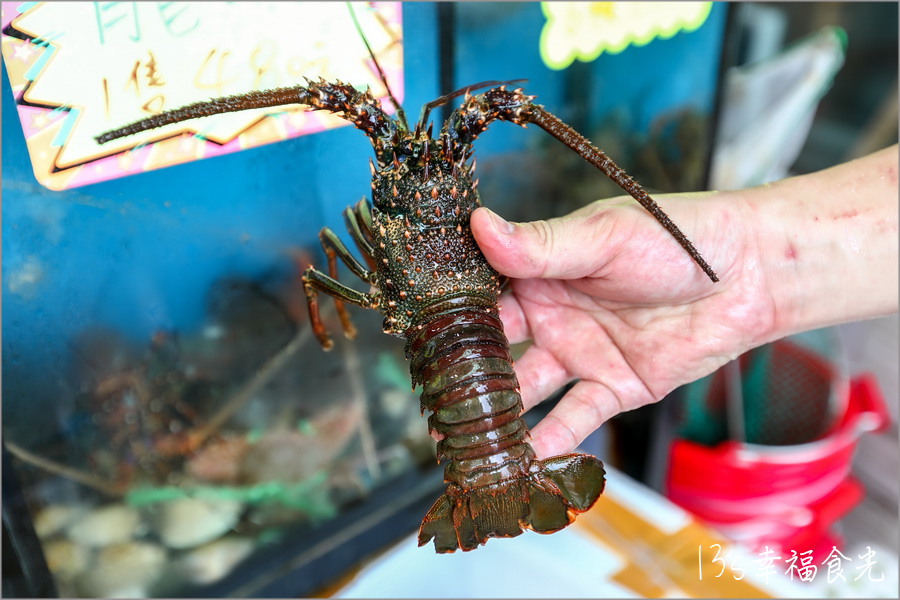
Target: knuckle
564,430
546,240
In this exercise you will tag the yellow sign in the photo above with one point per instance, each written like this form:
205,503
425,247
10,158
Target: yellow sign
81,68
584,30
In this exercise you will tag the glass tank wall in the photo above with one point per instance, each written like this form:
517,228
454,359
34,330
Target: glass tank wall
171,422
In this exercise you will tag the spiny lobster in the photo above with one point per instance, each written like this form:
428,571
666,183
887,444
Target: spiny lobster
436,289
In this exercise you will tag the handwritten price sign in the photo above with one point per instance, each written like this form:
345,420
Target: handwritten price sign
78,69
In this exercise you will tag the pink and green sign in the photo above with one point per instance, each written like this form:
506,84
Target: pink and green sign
78,69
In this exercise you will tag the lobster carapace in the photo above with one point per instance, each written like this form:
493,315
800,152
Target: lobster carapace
436,289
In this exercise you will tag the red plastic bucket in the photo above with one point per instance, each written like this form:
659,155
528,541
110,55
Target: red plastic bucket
780,496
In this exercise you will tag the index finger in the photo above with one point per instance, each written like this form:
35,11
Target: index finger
581,411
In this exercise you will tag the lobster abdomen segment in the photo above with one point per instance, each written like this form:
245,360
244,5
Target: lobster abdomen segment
496,486
462,359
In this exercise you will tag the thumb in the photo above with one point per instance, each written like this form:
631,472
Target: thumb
567,247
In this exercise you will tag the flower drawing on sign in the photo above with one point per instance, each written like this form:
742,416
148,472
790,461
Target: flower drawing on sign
584,30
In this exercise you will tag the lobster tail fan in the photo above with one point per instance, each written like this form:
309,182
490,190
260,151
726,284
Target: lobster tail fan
581,478
468,519
438,525
565,486
545,501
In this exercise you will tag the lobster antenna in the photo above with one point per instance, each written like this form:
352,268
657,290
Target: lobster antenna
238,102
381,75
583,147
447,97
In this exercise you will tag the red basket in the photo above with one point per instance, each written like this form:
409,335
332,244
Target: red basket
780,496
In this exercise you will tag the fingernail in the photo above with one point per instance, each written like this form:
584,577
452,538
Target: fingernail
501,224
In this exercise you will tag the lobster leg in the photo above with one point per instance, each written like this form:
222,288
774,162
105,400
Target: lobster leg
334,249
359,223
315,281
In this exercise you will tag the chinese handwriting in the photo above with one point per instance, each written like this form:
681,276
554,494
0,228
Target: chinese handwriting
766,563
806,571
151,79
174,19
123,18
867,567
834,564
147,82
800,564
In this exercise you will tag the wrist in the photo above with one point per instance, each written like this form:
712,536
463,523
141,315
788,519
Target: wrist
827,243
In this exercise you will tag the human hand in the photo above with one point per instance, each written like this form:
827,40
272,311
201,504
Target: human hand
607,296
